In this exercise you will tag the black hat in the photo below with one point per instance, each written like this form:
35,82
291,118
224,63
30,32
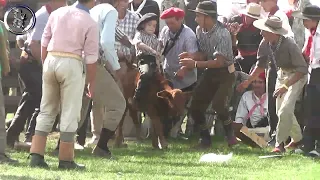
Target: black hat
208,8
311,12
145,18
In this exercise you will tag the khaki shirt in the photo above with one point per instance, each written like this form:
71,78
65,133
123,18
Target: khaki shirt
288,56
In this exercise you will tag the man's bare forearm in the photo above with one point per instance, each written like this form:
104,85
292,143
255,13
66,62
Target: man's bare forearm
91,72
35,49
44,53
199,56
295,78
255,74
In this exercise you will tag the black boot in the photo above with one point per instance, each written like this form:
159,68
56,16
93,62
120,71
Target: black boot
139,97
37,160
101,148
205,139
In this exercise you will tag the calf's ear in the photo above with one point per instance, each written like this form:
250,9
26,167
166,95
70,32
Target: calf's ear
164,94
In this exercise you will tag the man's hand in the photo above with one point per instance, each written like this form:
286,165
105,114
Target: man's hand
181,72
186,55
279,92
234,28
243,86
188,62
90,90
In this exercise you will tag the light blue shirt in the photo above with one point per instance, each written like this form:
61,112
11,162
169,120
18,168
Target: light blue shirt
106,16
187,42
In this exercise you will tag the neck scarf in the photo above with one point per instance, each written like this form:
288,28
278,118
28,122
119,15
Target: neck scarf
256,104
307,49
141,6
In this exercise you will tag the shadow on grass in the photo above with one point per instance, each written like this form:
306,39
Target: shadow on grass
13,177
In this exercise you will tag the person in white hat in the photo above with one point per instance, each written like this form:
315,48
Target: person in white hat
245,37
292,71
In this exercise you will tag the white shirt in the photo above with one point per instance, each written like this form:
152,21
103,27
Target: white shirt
245,105
106,16
285,21
315,50
42,17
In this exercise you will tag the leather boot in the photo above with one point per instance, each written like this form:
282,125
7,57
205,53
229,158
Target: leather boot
231,138
66,156
101,148
37,149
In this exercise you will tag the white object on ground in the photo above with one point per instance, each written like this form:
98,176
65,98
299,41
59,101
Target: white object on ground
215,158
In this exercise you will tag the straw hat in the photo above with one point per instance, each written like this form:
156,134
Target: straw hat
271,24
253,10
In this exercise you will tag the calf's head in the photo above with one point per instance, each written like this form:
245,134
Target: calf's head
175,99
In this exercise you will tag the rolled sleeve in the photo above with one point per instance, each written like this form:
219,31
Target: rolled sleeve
108,39
91,45
224,48
262,55
297,58
47,33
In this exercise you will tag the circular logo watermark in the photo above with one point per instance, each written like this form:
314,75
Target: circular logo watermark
19,19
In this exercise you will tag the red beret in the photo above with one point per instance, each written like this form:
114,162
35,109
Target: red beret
262,76
3,2
172,12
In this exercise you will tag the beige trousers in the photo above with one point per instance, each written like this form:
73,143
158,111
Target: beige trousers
62,91
108,102
285,106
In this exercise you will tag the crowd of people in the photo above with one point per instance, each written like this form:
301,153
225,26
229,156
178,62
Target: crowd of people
72,64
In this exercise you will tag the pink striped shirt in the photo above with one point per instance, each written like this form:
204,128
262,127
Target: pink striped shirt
72,30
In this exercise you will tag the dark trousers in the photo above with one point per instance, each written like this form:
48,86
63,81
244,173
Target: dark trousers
311,132
246,63
147,69
272,115
215,86
82,130
31,76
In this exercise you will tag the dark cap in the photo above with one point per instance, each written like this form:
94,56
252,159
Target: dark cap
146,18
208,8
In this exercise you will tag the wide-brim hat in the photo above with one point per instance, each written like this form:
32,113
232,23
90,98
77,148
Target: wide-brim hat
208,8
145,18
271,24
311,12
253,10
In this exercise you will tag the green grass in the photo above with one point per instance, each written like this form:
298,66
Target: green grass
140,161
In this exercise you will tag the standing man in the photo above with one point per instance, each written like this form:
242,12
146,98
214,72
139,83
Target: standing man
245,37
127,23
4,60
31,75
142,7
63,86
185,39
311,18
284,54
215,85
272,8
108,102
